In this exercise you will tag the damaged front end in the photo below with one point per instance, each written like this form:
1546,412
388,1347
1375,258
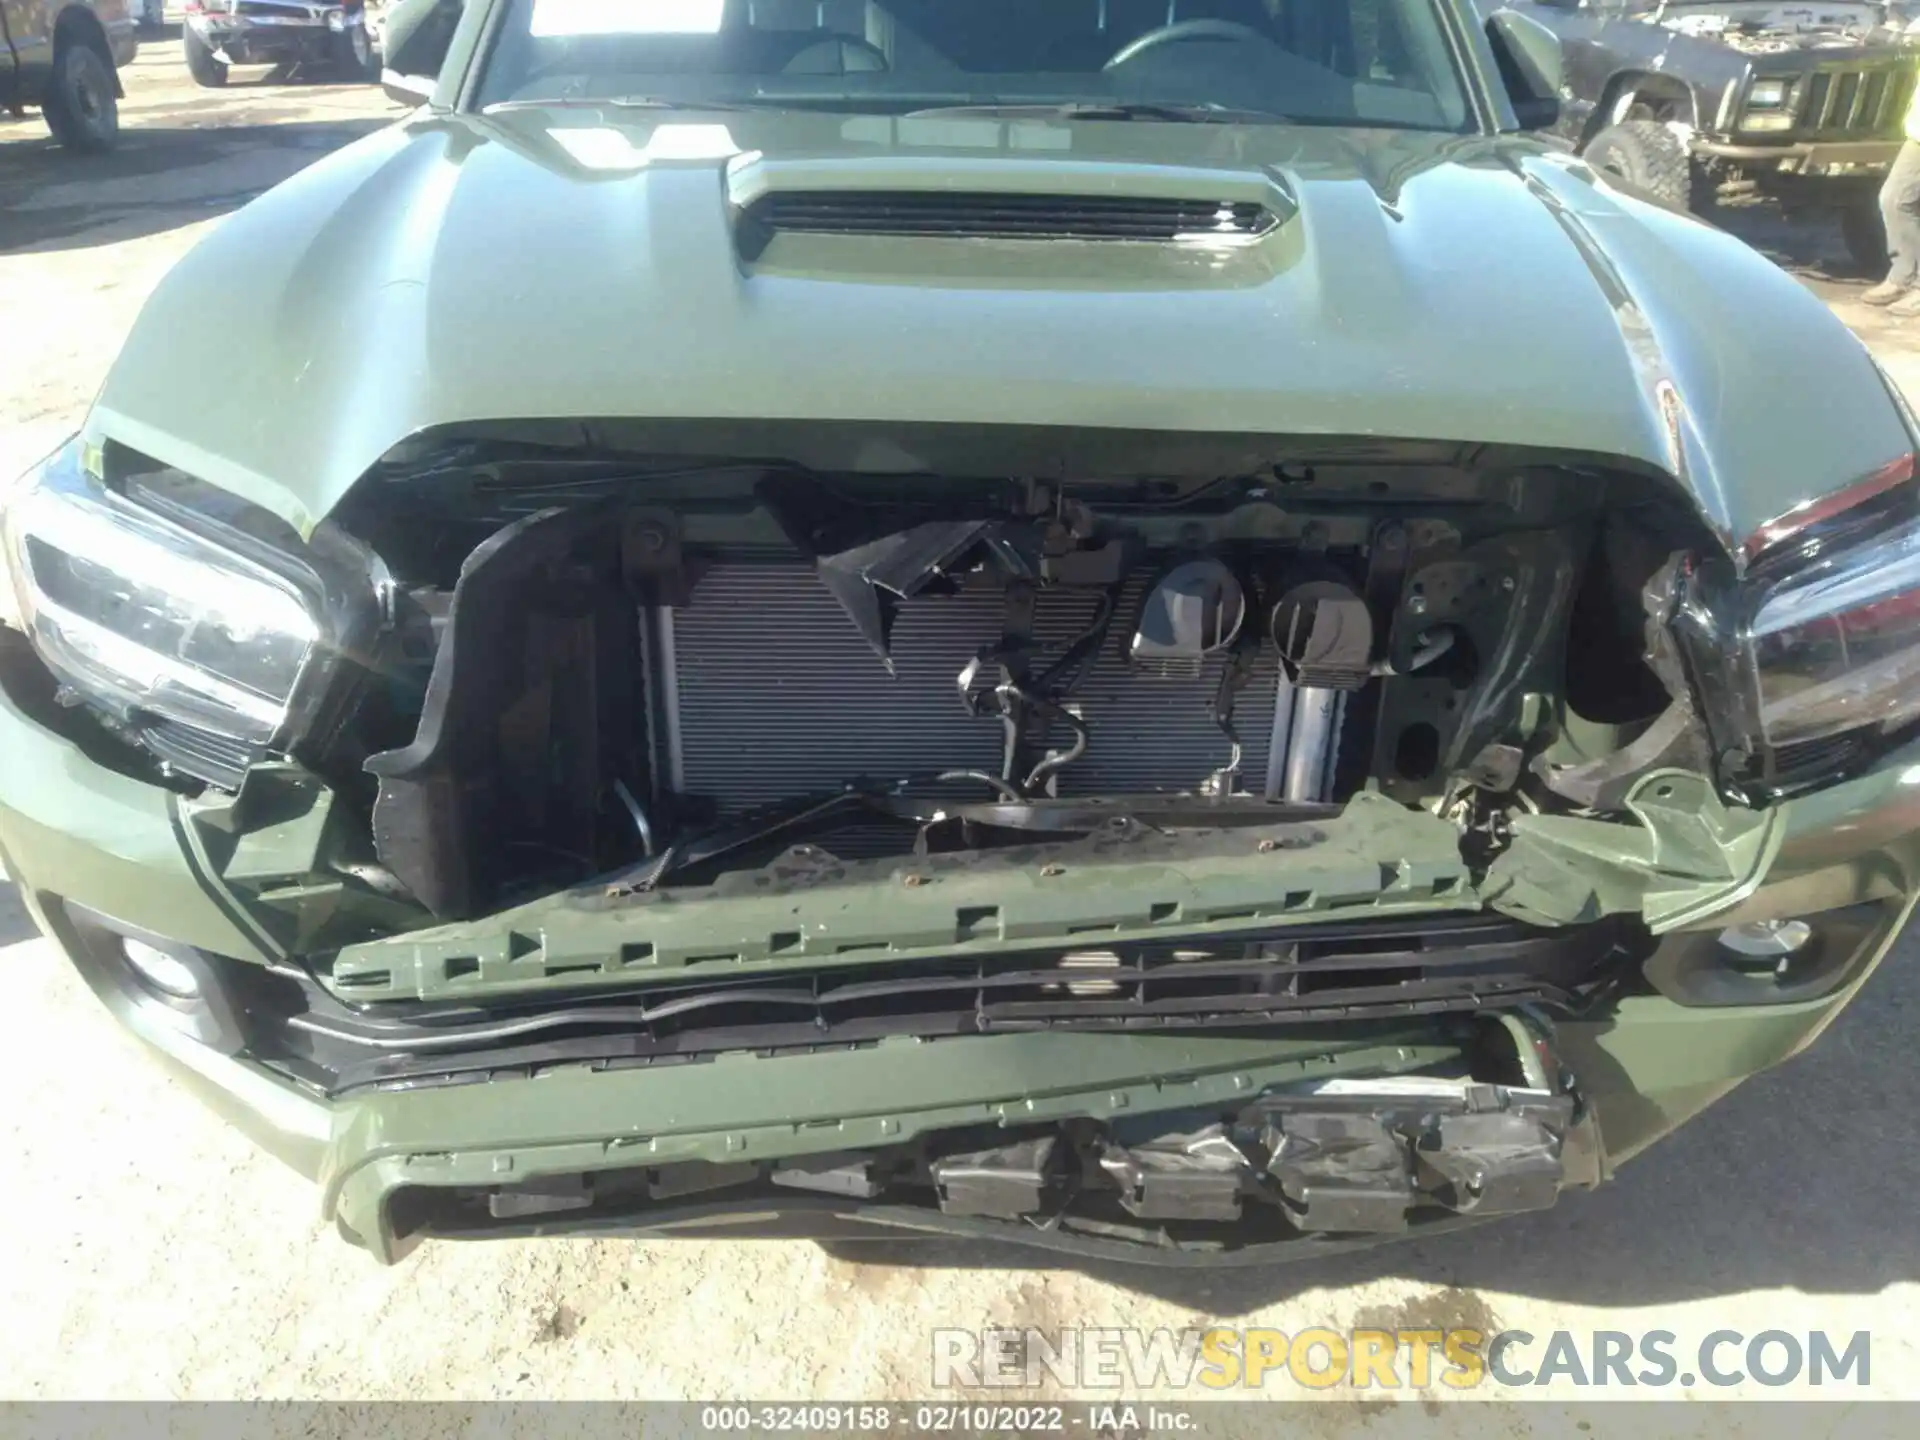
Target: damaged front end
1208,851
1327,1159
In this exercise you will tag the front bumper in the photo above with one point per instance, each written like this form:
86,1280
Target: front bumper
77,836
1807,159
248,41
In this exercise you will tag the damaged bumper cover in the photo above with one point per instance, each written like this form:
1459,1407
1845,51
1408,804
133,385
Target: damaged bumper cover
1321,1161
397,1162
1336,1156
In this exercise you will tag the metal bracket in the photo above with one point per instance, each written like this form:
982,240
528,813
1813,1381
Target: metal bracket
1689,854
1180,1177
1006,1183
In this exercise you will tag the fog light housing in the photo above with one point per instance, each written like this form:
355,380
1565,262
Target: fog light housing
156,986
164,972
1765,944
1772,961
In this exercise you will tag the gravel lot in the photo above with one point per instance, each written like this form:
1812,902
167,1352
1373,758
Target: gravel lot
147,1252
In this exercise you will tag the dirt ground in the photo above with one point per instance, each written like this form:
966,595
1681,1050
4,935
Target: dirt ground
148,1252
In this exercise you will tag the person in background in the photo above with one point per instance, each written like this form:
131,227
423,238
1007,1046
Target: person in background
1900,210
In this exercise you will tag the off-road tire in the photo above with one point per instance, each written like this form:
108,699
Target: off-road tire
1647,155
81,108
1865,234
205,67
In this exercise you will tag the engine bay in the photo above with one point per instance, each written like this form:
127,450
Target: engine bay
655,680
1764,27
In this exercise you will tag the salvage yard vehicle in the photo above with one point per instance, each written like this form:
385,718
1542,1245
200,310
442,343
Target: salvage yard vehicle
217,34
1725,101
903,617
64,57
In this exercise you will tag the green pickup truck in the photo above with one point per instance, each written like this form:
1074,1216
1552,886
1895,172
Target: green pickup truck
63,56
1153,633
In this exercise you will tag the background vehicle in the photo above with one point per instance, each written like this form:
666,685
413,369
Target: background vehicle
219,33
62,55
1700,101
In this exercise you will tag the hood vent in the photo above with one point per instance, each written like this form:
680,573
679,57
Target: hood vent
964,215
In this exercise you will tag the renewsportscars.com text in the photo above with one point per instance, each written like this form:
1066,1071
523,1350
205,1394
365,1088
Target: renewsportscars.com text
1320,1358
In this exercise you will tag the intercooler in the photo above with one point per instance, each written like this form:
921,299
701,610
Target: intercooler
773,693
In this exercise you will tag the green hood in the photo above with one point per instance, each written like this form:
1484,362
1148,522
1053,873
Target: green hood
582,263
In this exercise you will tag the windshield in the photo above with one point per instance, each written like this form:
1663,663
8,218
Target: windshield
1331,62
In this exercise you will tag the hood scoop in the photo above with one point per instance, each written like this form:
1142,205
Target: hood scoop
987,215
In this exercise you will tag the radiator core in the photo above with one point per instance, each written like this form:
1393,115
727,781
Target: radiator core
775,694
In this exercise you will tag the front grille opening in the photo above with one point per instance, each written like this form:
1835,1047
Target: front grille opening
980,215
1855,102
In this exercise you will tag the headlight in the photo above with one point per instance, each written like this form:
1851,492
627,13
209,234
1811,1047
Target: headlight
9,605
1769,106
146,618
1803,666
1837,647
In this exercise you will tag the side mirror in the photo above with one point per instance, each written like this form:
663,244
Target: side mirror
406,89
1531,67
418,36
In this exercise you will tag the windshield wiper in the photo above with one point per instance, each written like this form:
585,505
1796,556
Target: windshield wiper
1178,114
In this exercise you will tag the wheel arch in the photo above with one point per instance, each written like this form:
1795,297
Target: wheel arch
78,25
1666,96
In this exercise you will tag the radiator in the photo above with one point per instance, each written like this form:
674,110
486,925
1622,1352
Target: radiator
774,694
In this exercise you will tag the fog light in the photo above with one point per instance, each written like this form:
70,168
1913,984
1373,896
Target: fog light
336,20
1765,944
164,972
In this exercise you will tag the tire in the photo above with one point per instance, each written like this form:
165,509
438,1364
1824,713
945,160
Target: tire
355,57
1646,155
202,64
1865,235
81,108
